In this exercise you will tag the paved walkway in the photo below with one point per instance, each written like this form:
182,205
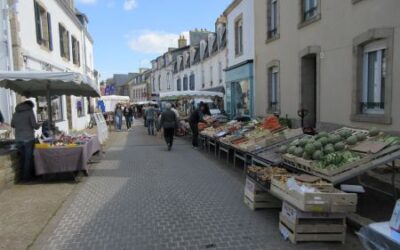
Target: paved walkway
143,197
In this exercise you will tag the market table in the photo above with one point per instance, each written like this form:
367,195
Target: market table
54,160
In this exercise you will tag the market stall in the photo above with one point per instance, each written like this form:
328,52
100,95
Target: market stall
59,153
300,172
66,154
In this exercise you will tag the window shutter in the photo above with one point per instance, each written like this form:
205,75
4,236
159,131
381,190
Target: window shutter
68,47
61,33
79,53
37,23
50,31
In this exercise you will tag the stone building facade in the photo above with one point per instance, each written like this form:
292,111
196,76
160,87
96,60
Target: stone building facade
333,58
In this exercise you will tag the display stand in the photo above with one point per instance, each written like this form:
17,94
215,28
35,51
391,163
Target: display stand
102,128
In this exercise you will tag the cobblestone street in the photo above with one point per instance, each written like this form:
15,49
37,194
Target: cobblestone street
140,196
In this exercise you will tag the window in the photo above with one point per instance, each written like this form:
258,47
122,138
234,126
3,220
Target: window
159,83
43,27
310,9
273,93
239,36
168,81
178,84
56,104
154,84
76,56
272,19
185,83
220,72
211,76
64,42
80,104
192,82
374,75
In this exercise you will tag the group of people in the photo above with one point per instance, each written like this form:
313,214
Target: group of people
124,111
169,122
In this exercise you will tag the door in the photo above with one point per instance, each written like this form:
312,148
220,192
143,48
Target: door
309,89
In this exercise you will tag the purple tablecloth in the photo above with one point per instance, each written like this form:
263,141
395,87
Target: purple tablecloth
63,159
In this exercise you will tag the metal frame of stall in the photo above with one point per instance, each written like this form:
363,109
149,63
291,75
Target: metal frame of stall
251,158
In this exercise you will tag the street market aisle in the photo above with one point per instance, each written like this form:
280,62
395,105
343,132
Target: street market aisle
143,197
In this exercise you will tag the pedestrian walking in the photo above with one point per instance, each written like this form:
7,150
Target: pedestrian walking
24,122
195,118
168,122
150,118
131,115
127,118
118,113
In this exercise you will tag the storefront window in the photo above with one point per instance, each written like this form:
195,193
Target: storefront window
239,99
56,104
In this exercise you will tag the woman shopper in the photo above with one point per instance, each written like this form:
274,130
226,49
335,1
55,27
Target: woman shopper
168,122
118,117
24,123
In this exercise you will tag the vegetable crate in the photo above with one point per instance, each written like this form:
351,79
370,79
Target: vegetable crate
312,229
255,198
327,199
298,226
311,167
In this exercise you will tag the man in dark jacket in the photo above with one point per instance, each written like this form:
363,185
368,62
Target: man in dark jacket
24,122
194,120
168,122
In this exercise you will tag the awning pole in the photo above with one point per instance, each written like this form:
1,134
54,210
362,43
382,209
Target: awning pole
50,111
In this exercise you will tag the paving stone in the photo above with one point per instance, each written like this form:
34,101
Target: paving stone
143,197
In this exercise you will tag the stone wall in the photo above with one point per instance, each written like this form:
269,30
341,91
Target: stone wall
8,169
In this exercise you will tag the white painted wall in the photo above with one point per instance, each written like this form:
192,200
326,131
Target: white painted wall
36,56
7,98
246,9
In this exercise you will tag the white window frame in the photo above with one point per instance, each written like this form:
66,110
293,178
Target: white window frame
377,47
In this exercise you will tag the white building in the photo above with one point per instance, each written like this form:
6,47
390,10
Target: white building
53,36
198,66
240,83
7,98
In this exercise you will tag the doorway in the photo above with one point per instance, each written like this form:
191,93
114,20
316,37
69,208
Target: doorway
309,89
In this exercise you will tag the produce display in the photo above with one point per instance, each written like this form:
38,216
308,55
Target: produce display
65,141
329,153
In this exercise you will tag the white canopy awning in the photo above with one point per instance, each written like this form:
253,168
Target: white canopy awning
189,94
38,83
115,98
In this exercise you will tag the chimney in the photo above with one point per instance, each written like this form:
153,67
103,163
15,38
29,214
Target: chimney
182,42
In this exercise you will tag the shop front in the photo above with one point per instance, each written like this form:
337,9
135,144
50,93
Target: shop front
240,90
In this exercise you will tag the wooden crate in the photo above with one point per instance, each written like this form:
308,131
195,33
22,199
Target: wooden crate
312,230
251,186
257,197
310,166
273,203
328,199
294,215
